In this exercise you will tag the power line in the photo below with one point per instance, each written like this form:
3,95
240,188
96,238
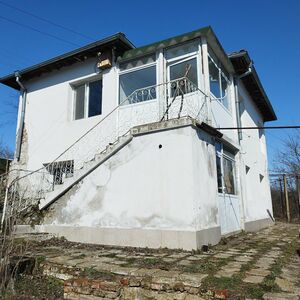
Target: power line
261,127
39,31
47,21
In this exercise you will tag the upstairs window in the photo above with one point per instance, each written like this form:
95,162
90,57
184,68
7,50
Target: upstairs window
88,99
137,81
187,69
225,169
218,81
182,62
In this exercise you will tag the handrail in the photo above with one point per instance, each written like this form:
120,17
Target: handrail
104,118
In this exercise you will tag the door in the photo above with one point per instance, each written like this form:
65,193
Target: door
228,199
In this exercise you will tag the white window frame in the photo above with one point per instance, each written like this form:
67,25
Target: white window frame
182,58
223,156
86,83
229,82
138,68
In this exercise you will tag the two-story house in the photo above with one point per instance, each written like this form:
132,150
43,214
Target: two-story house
128,146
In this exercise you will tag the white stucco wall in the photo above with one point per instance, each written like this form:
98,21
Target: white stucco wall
144,186
256,193
49,117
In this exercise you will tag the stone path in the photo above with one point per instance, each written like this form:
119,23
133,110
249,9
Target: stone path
262,265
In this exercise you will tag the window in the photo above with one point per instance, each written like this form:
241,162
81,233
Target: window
182,50
138,84
219,82
225,169
188,69
88,99
60,170
182,62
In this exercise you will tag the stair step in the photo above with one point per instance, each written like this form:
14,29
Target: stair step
87,168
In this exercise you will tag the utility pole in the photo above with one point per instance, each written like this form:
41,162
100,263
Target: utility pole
286,196
281,198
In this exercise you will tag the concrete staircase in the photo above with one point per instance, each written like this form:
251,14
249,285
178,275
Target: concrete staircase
87,168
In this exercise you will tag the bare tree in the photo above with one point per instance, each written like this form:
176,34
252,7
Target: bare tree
287,159
5,151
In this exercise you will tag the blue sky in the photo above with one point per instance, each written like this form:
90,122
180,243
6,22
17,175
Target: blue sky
269,30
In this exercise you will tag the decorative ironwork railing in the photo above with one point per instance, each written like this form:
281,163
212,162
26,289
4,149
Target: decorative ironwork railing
179,98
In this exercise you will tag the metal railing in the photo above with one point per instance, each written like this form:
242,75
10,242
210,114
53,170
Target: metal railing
179,98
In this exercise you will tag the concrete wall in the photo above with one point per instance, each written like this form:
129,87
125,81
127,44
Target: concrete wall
163,181
49,117
255,189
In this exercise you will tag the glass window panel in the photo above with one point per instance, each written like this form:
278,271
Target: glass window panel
225,91
95,98
137,80
219,174
228,169
183,49
214,80
187,69
137,62
79,101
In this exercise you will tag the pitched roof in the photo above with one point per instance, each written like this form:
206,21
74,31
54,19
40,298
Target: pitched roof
241,62
117,40
206,32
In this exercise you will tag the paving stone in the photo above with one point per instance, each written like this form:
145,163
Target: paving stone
266,259
193,280
280,296
226,273
258,272
168,259
243,258
124,270
193,258
222,255
253,279
185,262
143,272
263,265
285,285
59,259
178,255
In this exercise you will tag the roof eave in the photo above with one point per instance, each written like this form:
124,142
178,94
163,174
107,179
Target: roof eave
118,38
268,111
205,32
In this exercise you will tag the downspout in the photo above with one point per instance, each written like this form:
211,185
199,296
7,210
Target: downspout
237,100
23,92
240,136
237,109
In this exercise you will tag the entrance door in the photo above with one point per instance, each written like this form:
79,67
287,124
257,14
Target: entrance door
228,199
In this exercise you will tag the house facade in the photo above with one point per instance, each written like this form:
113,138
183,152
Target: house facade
134,146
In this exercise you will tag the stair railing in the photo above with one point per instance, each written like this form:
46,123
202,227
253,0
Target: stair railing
140,107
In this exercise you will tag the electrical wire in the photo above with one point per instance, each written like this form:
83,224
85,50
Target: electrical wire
47,21
39,31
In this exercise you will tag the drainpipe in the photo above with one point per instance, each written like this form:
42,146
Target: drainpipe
237,109
240,137
237,101
23,92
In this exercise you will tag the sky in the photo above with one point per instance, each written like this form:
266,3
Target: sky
269,30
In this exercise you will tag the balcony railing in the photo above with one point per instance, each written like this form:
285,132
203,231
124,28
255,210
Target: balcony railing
175,99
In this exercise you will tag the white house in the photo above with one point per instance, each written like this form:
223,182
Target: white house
128,146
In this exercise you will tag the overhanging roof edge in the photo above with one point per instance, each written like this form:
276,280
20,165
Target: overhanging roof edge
116,37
